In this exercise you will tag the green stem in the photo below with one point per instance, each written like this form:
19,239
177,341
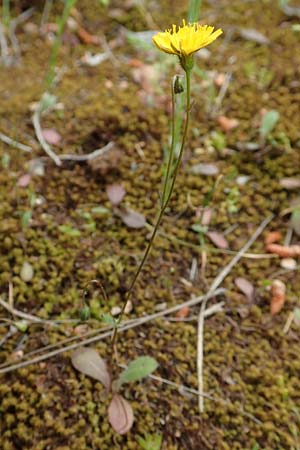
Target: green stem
164,205
57,43
6,12
194,10
171,155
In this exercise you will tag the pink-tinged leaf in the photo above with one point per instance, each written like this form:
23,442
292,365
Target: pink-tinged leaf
51,136
24,180
120,414
133,219
217,239
88,362
115,193
245,287
205,215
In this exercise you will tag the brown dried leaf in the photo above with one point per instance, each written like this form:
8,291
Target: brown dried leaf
86,37
89,362
245,287
218,239
115,193
120,414
273,236
227,124
283,251
183,312
132,218
278,293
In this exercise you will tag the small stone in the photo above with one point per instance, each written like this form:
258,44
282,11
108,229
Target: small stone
242,180
36,167
288,263
115,310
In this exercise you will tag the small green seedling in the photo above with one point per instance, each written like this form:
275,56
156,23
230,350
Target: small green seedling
295,220
69,230
120,413
268,124
255,447
150,441
218,140
5,161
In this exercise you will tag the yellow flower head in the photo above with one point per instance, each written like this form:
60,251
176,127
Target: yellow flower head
186,39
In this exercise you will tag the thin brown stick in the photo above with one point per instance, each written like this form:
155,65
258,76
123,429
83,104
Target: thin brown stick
13,143
108,333
16,312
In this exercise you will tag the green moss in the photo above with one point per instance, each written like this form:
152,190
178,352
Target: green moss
249,364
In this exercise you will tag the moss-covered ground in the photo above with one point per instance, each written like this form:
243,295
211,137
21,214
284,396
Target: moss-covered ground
251,367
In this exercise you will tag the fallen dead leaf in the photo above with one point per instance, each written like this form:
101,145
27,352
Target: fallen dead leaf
218,239
89,362
120,414
115,193
227,124
132,218
24,180
86,37
273,236
51,136
245,287
278,296
288,251
183,312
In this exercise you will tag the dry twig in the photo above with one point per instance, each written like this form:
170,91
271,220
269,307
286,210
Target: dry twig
13,143
103,335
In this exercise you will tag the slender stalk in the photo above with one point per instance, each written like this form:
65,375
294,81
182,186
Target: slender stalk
163,206
171,154
46,12
57,43
6,12
194,10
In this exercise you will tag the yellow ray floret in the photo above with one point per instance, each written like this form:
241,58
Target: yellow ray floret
186,39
